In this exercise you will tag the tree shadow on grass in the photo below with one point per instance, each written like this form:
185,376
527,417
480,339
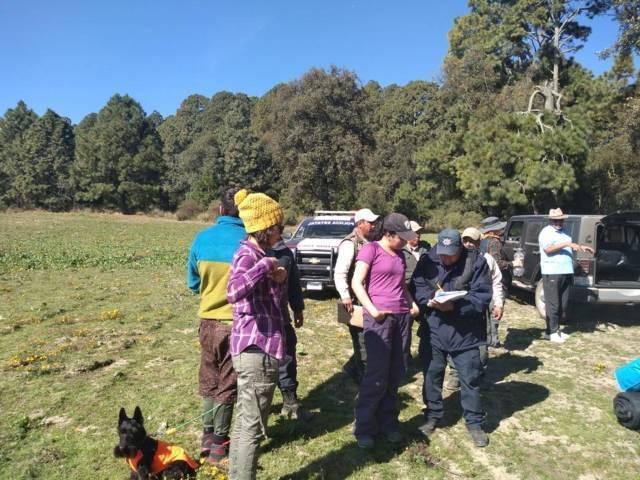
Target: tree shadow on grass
331,404
498,369
342,462
507,398
590,318
522,338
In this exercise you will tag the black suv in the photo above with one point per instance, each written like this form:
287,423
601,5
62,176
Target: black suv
612,275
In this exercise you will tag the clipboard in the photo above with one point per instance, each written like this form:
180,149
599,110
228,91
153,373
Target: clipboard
355,319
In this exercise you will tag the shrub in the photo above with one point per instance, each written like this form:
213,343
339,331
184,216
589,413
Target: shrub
188,209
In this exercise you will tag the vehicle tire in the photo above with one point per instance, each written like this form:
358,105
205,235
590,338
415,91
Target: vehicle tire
539,298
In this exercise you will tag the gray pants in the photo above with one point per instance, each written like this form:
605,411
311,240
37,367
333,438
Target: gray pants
257,379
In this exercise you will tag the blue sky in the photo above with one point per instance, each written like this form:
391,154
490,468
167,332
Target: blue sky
73,55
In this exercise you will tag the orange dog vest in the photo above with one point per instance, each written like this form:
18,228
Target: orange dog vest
165,455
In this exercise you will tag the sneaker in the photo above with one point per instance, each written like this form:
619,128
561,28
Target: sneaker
394,436
365,441
557,338
479,437
428,427
546,336
564,335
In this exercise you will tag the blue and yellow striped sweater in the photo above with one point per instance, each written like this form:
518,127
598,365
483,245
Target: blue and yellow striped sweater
210,263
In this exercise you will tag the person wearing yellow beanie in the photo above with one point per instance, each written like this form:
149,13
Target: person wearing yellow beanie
255,291
258,211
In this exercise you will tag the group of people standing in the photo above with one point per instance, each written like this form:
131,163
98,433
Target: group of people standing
395,276
247,281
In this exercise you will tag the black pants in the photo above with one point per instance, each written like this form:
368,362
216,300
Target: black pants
358,360
288,369
467,362
556,299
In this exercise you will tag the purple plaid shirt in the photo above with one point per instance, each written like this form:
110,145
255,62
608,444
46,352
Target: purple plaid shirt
255,298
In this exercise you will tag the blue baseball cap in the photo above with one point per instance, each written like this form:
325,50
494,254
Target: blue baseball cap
449,242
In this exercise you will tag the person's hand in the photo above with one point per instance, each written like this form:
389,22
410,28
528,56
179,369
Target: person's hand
497,312
279,274
586,248
348,304
378,315
415,310
298,319
442,307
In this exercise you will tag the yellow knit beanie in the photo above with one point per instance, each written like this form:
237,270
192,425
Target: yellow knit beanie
257,211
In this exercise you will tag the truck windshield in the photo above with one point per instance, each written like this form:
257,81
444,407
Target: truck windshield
324,229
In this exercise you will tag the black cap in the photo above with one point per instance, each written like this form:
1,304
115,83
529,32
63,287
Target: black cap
398,223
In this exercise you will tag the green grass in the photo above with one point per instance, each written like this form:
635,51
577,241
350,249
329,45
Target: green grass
94,315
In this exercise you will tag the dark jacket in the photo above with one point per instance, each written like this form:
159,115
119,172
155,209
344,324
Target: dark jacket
411,261
292,291
463,328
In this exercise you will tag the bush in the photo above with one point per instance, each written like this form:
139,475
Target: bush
188,209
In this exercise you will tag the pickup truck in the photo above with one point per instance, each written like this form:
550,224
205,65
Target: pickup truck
315,247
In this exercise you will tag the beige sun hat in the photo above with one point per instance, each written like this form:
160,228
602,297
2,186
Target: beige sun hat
472,233
557,214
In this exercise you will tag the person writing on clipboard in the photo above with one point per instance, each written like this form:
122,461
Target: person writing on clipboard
454,327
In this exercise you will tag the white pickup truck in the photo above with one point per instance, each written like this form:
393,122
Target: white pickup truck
315,246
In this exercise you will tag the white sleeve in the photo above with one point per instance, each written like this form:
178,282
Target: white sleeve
346,251
496,281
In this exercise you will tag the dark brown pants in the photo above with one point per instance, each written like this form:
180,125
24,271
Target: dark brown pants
217,376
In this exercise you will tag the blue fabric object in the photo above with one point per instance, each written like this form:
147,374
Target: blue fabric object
628,376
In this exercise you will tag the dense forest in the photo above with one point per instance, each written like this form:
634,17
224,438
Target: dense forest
514,124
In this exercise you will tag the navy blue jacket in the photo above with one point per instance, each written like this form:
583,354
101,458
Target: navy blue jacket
464,327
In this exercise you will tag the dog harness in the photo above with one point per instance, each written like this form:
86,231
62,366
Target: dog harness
165,455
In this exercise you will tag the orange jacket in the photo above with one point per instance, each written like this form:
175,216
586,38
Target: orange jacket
165,455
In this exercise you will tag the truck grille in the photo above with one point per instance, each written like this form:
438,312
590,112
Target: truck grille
315,265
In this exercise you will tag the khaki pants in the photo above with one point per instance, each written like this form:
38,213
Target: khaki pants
257,378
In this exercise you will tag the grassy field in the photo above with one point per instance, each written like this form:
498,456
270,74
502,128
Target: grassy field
95,315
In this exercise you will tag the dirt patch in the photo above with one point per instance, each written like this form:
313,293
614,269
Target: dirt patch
56,421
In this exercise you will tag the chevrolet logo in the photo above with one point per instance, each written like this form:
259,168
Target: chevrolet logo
314,260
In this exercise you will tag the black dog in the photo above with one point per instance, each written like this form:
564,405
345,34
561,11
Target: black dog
149,458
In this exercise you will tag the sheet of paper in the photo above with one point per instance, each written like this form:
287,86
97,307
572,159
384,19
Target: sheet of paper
443,297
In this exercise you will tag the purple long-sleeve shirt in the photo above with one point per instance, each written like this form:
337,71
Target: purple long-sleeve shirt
255,298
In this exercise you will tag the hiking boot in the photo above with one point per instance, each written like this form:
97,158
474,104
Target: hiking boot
291,407
205,445
428,427
219,451
365,441
479,437
394,436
